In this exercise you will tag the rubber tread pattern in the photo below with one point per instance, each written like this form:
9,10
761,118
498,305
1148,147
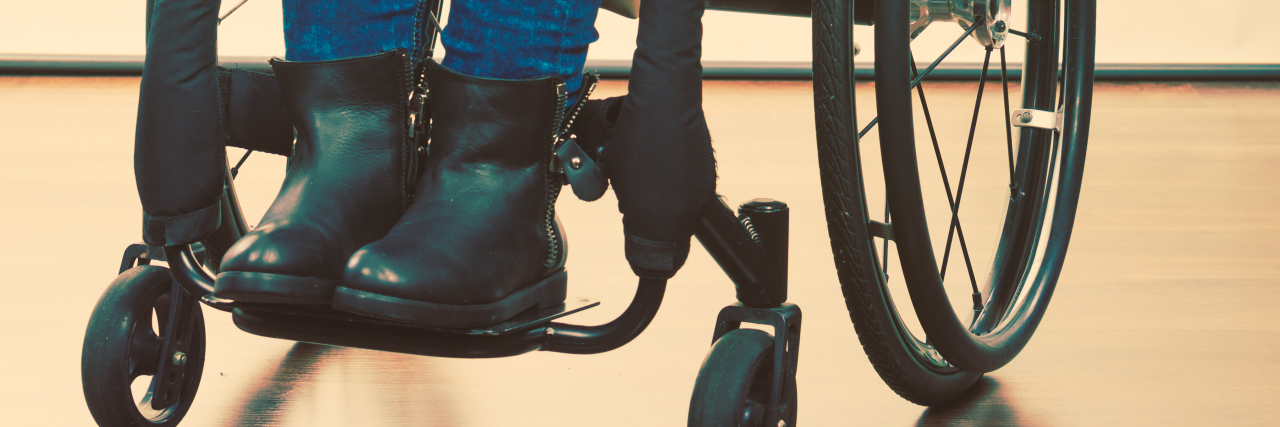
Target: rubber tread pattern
844,205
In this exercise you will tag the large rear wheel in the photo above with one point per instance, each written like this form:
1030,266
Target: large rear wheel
928,337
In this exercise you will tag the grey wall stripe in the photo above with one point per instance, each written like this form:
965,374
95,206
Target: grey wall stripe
131,65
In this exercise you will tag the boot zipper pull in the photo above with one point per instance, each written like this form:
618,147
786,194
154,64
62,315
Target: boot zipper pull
565,126
562,96
583,175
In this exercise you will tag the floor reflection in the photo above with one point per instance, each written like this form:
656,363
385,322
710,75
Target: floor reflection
267,402
986,404
325,385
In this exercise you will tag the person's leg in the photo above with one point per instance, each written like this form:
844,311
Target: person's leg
520,39
317,222
516,39
323,30
349,180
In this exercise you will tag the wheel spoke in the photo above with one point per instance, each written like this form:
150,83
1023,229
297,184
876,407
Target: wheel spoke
1029,36
933,136
942,167
864,131
884,265
233,10
964,169
973,280
1062,77
929,69
1008,124
236,170
937,150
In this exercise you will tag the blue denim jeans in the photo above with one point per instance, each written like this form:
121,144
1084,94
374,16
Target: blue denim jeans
508,39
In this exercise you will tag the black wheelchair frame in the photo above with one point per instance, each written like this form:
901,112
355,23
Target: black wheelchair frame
755,260
750,246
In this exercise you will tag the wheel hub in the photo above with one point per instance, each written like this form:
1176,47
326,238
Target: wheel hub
992,16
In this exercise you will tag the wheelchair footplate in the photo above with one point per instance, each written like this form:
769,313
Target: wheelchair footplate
526,320
325,325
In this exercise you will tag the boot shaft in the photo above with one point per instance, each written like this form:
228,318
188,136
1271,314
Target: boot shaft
505,123
351,115
353,104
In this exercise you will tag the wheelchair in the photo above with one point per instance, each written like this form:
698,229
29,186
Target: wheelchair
748,377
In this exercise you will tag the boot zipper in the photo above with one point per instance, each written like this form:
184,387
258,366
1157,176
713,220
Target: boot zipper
553,186
562,97
419,123
562,130
560,133
549,223
588,87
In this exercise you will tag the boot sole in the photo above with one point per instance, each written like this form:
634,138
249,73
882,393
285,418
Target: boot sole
546,293
271,288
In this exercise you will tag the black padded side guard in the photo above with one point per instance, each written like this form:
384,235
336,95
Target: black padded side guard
595,126
660,159
189,110
255,116
178,158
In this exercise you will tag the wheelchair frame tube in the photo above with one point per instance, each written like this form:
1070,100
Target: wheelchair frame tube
574,339
184,263
863,12
727,241
186,269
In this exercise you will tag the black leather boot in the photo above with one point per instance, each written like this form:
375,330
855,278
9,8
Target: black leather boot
480,243
347,182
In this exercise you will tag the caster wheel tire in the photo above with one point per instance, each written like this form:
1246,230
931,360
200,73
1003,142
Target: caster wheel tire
735,381
122,347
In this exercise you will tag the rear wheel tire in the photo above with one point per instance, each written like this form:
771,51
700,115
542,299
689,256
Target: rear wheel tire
917,367
870,306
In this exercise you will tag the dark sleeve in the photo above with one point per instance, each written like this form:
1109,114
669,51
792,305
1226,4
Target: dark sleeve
179,157
661,162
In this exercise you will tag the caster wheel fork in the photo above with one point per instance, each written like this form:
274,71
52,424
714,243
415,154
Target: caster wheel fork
748,377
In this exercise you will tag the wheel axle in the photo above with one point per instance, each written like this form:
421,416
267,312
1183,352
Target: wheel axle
967,13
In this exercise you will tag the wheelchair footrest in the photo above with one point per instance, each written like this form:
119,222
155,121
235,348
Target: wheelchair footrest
323,325
528,319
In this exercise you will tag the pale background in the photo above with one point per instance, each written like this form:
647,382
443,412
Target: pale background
1129,31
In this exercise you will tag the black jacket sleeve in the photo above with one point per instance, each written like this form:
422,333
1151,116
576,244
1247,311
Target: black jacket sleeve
660,158
179,160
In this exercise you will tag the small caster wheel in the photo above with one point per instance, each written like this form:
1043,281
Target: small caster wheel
122,347
735,381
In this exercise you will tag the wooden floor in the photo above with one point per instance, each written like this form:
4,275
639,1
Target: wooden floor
1165,313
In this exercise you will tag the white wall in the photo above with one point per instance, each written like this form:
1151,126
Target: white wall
1221,31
